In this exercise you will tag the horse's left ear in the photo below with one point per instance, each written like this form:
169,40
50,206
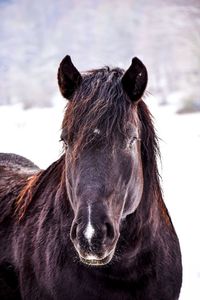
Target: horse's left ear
69,77
134,80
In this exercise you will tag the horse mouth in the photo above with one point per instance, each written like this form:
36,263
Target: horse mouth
94,261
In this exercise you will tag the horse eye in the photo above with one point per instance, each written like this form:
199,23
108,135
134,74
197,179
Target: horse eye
132,141
64,141
66,144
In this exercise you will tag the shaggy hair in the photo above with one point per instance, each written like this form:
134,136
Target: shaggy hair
99,103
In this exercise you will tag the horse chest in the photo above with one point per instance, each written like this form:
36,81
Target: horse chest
91,290
89,285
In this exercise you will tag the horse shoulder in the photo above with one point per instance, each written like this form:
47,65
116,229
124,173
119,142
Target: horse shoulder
15,170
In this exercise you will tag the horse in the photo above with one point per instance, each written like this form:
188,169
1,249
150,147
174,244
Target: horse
94,224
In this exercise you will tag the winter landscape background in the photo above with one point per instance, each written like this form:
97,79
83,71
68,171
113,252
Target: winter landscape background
165,34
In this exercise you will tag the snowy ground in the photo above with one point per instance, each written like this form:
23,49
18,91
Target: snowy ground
180,150
35,134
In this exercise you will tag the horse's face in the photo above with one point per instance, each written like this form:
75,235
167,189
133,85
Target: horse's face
105,184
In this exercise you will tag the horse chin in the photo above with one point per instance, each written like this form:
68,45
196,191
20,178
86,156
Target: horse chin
95,261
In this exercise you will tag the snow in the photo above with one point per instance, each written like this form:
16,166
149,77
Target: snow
180,150
35,134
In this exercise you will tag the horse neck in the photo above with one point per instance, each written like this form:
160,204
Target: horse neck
50,189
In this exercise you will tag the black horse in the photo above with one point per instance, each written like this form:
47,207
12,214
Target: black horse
93,225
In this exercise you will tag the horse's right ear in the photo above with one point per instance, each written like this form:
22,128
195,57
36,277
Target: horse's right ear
69,77
134,80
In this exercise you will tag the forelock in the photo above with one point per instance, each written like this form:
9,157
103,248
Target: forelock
99,103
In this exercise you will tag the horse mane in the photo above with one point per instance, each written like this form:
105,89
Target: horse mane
100,103
149,148
36,184
150,152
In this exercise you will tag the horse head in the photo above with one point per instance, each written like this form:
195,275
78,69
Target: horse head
103,170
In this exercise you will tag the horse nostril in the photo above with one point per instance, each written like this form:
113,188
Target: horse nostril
74,231
109,230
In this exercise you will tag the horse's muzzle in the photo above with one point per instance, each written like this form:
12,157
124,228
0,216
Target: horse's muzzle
96,243
95,261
